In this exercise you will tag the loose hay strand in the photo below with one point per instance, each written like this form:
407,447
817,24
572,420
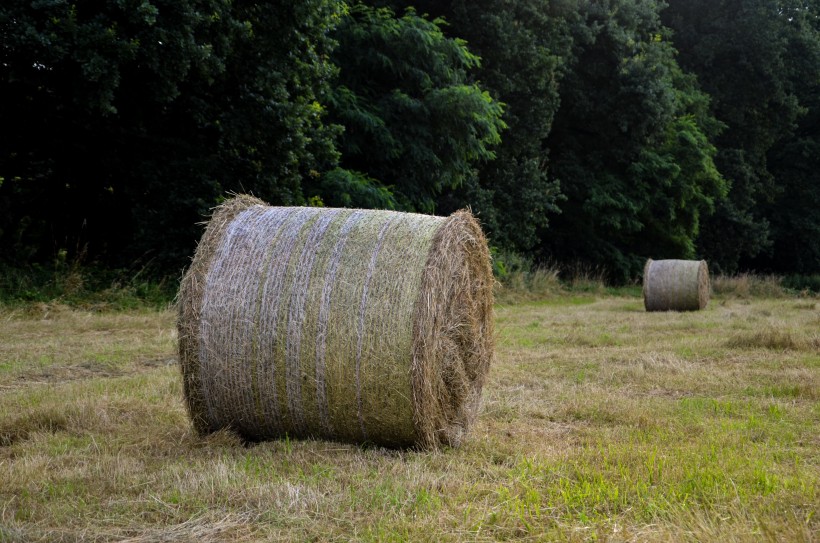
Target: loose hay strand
454,332
190,307
347,324
675,285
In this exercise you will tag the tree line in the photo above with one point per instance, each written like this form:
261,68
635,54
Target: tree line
589,132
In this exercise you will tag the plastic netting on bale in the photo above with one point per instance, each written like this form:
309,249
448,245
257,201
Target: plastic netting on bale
353,325
675,285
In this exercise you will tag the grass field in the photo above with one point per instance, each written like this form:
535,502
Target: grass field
600,422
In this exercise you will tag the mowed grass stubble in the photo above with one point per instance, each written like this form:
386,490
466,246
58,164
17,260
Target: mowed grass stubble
600,421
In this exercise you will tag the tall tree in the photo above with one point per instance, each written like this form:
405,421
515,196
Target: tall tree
414,126
521,45
794,210
629,144
124,121
740,51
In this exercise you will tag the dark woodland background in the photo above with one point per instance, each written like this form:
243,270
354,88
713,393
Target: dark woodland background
582,133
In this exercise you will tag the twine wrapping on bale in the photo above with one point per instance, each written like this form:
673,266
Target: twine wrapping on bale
354,325
675,285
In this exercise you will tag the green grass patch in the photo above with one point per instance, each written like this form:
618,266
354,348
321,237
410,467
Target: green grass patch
599,422
84,287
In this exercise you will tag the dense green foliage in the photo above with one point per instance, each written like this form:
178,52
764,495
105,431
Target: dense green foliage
125,121
411,119
521,46
752,57
793,161
586,133
630,145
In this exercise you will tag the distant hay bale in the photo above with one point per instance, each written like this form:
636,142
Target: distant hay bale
353,325
675,285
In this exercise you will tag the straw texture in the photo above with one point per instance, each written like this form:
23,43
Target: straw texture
363,326
675,285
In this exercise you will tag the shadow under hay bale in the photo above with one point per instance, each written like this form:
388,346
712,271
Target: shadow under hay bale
675,285
354,325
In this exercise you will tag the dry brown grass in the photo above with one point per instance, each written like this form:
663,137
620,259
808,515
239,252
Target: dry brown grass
527,286
747,285
600,422
47,343
775,337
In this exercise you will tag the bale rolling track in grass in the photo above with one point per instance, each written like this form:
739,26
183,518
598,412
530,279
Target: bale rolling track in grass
353,325
675,285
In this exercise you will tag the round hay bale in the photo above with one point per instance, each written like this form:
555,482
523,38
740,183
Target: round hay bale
352,325
675,285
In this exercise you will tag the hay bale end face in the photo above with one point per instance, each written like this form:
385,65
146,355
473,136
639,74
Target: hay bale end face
675,285
353,325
